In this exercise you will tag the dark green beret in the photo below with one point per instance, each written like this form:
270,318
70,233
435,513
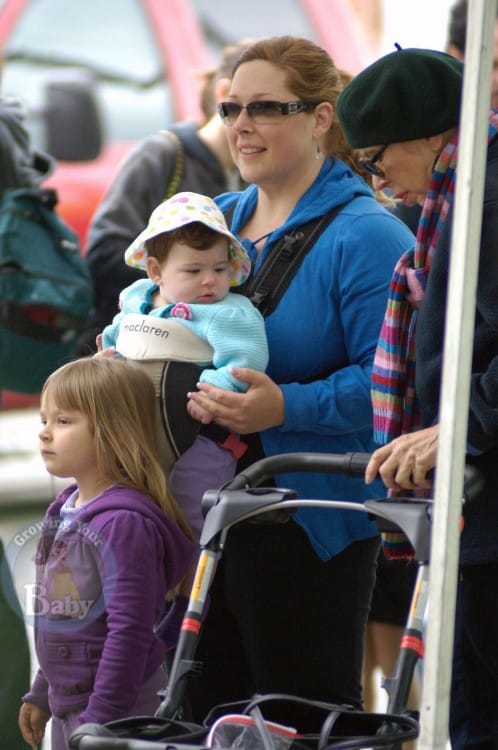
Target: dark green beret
408,94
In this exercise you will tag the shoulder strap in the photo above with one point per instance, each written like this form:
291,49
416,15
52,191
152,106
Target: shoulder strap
177,174
267,286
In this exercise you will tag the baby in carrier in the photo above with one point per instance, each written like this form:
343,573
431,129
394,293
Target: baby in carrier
184,326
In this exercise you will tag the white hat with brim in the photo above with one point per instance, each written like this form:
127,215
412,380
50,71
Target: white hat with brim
185,208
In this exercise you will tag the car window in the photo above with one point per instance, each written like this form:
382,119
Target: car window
111,39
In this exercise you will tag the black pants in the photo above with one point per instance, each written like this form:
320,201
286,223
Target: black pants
282,620
474,694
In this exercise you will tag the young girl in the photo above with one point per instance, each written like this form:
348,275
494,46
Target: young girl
112,545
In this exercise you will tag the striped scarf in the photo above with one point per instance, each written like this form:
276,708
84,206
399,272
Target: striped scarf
394,401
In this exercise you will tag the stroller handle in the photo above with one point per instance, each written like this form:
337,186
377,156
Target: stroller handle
350,464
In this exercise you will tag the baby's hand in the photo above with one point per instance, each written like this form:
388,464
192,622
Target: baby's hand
197,412
109,351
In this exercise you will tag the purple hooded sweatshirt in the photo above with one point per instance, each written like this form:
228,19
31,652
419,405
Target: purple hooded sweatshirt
100,592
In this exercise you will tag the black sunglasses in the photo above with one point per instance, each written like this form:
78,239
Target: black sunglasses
369,164
262,111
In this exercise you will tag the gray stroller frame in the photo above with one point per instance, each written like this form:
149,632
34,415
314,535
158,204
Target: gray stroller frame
244,498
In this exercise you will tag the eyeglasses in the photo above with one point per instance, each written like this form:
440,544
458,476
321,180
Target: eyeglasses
262,111
369,164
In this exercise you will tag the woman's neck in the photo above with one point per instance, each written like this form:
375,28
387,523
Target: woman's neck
276,201
273,208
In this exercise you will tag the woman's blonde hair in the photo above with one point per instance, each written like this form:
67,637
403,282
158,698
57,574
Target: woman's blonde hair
312,77
119,401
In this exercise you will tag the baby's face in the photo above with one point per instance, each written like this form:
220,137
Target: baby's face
195,276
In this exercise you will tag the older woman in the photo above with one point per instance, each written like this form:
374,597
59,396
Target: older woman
403,112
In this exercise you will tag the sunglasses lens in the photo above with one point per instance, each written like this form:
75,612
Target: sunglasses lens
259,111
229,111
263,110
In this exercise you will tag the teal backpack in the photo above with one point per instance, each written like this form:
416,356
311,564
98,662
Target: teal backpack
46,292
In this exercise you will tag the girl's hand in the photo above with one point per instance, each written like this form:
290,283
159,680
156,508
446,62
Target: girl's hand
262,405
405,462
32,723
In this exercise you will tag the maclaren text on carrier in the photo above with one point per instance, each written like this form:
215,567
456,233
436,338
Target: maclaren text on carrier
146,328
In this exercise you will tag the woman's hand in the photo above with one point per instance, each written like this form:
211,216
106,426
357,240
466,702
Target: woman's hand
405,462
32,723
262,405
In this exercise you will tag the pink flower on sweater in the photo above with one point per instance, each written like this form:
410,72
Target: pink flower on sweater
181,310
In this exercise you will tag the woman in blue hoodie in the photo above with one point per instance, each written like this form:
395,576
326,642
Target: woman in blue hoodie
112,545
290,602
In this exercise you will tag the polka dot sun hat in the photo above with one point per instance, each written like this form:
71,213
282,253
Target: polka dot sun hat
181,209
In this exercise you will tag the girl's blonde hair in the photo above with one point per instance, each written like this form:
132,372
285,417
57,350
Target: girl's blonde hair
119,401
312,76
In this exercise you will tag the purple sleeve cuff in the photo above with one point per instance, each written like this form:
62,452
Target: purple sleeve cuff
38,693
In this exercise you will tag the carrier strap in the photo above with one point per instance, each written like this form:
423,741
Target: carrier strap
266,287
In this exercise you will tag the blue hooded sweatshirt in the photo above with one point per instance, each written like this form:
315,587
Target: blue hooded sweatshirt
322,339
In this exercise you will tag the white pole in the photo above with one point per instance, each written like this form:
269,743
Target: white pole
434,708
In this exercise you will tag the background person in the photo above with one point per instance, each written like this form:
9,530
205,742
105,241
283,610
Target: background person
192,260
184,157
22,165
269,627
100,657
412,136
456,41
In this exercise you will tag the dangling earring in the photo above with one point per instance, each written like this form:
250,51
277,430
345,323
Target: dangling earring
318,153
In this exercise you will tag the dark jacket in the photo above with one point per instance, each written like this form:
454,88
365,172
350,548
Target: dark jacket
21,166
100,593
140,185
479,542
